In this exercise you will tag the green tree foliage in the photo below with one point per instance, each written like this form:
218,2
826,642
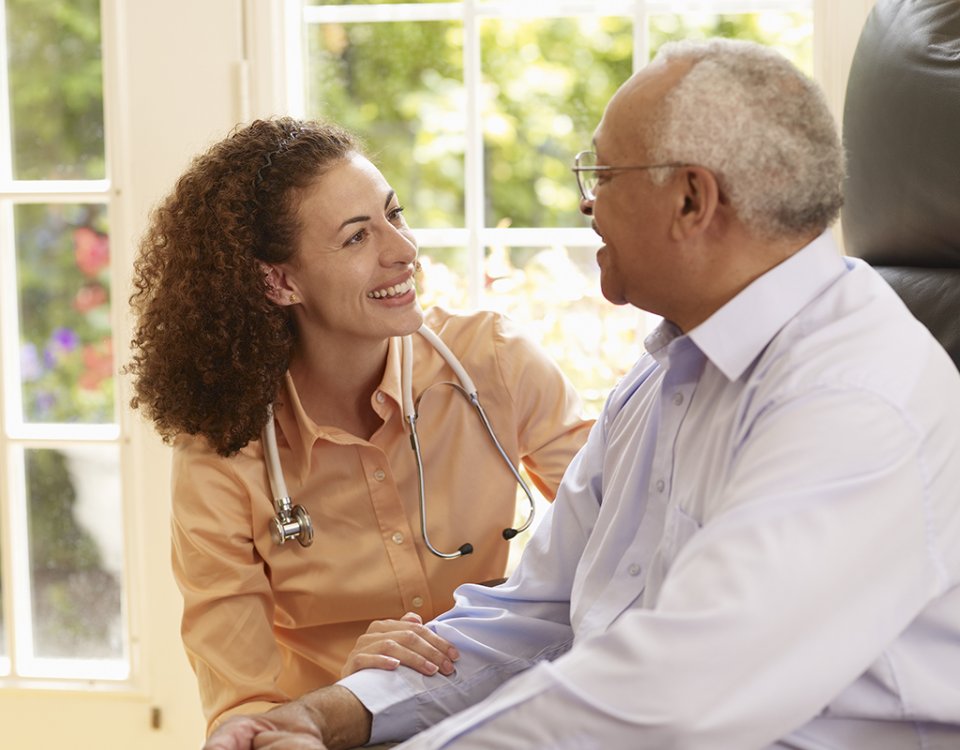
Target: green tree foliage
56,89
545,83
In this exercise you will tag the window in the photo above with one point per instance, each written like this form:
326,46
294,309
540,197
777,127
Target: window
474,112
61,525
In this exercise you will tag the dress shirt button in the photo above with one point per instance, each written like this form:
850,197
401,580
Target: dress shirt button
660,485
398,538
417,602
379,475
634,569
380,397
678,398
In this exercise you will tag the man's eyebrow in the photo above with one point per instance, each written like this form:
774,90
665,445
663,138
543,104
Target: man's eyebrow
358,219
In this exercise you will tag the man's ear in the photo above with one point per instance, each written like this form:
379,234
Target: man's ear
697,202
280,289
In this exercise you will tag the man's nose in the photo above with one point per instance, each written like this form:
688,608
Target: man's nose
586,206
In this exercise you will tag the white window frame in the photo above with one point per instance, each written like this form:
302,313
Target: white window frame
20,669
475,236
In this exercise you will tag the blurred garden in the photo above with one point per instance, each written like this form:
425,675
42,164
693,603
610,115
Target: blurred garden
544,84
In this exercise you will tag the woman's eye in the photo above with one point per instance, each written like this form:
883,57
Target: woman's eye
358,237
395,213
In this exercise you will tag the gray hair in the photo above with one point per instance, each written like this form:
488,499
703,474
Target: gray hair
761,126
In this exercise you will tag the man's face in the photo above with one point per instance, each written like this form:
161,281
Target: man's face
633,217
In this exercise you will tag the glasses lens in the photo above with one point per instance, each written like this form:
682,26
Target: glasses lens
588,180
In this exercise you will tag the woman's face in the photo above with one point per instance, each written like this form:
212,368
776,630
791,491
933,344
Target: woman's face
353,275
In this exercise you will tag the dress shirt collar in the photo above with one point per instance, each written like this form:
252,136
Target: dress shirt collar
735,335
301,432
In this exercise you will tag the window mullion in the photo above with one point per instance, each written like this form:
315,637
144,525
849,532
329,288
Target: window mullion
6,130
474,187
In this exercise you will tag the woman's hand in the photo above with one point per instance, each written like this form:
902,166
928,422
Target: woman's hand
389,643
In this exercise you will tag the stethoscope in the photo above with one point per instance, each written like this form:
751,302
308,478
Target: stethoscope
293,521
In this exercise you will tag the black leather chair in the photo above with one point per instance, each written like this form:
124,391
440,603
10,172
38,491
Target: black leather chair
901,130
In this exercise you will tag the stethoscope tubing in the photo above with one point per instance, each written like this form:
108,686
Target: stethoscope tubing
293,521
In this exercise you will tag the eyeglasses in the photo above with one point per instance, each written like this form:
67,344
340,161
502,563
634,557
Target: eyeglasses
587,171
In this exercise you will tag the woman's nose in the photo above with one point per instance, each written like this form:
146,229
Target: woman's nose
402,247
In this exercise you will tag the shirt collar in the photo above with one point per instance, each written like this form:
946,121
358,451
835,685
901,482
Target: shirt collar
301,432
735,335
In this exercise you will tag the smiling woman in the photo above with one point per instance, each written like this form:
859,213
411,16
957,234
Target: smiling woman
278,279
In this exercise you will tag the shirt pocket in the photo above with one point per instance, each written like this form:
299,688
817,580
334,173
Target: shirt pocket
678,529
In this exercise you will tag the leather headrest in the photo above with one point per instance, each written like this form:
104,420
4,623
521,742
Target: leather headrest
901,130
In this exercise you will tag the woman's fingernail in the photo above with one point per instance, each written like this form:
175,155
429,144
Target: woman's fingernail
453,653
431,668
447,667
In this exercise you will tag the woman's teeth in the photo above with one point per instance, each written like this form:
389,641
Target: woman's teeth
392,291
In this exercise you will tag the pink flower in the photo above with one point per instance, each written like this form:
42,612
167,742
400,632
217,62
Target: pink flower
98,361
91,251
89,297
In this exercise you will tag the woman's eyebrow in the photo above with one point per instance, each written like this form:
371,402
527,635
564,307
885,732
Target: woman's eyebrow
357,219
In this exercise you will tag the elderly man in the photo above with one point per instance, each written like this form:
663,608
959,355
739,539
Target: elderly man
759,546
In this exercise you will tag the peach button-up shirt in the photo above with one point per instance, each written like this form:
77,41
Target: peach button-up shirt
264,624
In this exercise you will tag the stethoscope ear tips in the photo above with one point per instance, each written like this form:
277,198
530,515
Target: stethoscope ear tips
466,549
509,534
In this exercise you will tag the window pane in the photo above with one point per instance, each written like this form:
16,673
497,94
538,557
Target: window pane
76,552
66,345
400,86
788,33
547,83
555,293
443,280
370,2
56,89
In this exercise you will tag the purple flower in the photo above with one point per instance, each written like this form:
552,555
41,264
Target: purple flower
31,368
63,340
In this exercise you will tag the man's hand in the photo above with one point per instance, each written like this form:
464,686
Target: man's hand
389,643
333,714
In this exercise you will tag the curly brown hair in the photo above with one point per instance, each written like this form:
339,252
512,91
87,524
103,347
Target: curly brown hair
209,348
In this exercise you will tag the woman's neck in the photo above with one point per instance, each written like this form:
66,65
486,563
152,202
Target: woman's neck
335,384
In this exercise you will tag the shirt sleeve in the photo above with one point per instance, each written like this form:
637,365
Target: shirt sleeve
228,604
821,540
550,423
499,631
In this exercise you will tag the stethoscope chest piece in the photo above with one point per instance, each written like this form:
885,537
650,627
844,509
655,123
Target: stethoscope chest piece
291,523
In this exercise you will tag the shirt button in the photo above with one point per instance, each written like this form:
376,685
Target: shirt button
678,398
417,602
660,485
380,397
634,569
379,475
398,538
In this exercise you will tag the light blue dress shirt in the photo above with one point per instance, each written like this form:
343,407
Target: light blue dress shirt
759,546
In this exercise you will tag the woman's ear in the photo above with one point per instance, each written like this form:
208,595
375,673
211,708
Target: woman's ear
700,195
279,288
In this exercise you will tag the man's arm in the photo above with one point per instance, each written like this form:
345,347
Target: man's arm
498,632
330,718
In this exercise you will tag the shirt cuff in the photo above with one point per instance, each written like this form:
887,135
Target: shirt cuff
389,698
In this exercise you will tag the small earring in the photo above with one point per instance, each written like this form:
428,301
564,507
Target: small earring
294,298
